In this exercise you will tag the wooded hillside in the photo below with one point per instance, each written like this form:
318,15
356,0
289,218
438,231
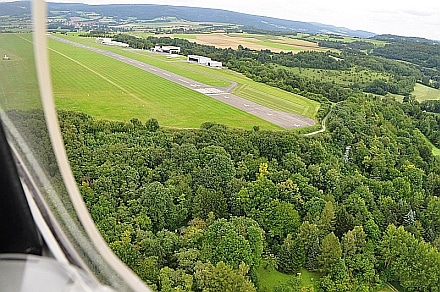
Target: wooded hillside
189,209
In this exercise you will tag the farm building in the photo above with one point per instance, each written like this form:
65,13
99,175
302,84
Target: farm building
166,49
109,42
5,57
204,61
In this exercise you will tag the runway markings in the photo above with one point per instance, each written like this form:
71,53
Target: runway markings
166,74
210,91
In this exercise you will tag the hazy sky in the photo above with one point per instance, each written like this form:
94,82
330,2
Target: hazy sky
402,17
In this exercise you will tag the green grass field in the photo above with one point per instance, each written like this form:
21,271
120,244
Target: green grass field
270,278
106,88
423,92
246,88
344,77
19,86
346,39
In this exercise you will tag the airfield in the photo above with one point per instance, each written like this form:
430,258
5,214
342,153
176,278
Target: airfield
283,119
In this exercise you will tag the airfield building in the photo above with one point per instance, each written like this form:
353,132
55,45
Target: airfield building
109,42
5,57
215,64
204,61
166,49
171,49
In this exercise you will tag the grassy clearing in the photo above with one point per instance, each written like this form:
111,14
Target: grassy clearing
261,93
423,92
109,89
343,77
435,150
270,278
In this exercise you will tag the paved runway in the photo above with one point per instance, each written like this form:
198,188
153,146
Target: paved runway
282,119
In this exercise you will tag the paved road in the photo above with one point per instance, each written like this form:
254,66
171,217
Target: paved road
282,119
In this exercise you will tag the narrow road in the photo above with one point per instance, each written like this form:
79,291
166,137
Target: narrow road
282,119
323,127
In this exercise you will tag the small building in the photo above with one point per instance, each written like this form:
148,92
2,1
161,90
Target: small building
199,59
215,64
166,49
170,49
204,61
109,42
5,57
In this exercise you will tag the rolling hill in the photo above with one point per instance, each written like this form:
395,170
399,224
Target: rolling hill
151,11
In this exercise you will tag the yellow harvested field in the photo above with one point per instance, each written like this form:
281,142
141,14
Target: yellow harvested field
252,41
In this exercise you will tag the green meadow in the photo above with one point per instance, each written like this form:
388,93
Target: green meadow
355,75
19,85
423,92
271,278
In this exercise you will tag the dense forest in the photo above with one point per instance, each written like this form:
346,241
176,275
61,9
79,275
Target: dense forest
204,209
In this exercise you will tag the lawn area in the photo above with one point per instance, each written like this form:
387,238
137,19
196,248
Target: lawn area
108,89
423,92
270,278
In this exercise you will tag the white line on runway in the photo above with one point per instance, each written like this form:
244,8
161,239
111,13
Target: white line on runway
152,69
166,74
183,81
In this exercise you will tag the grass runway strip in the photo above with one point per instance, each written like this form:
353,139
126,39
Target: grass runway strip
106,89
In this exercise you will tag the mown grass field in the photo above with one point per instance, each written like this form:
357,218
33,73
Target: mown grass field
19,85
423,92
106,88
261,93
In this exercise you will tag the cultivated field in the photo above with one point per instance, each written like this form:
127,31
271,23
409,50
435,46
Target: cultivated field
252,41
423,92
